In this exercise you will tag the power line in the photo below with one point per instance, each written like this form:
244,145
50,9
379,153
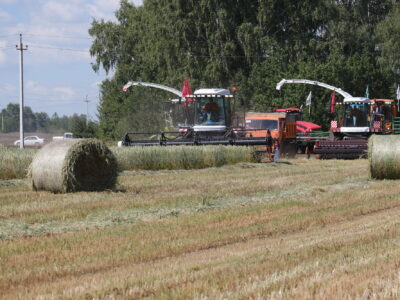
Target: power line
59,48
59,36
8,35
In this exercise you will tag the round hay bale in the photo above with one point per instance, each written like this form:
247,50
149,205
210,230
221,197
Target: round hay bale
384,156
73,165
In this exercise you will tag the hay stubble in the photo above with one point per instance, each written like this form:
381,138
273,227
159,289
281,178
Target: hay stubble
294,237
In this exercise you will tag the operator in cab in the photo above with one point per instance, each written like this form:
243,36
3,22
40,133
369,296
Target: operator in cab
212,110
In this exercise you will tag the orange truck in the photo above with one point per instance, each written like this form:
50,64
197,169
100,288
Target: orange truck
282,125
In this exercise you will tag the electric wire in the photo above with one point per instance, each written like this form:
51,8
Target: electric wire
58,48
58,36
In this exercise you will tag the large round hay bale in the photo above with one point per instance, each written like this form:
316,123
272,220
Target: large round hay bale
73,165
384,156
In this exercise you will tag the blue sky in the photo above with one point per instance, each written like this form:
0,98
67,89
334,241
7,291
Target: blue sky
57,71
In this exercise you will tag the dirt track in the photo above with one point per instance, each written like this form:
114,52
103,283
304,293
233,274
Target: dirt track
8,139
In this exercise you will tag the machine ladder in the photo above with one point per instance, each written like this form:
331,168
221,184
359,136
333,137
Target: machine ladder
396,125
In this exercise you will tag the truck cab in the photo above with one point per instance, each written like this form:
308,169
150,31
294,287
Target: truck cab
281,124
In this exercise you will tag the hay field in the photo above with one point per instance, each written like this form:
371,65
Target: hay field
303,229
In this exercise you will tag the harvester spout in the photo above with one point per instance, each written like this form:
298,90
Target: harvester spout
321,84
154,85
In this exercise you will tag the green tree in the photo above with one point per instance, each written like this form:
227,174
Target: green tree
42,122
389,43
248,44
81,129
11,118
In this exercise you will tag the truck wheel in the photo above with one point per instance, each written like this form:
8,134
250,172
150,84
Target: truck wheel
288,150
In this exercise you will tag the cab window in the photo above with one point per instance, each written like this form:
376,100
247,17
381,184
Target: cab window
262,124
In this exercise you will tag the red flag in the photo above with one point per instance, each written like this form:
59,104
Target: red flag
186,91
333,102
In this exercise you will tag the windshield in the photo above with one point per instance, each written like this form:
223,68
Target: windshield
261,124
356,115
210,111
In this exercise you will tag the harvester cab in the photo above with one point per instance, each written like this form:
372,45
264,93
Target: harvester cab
363,117
356,120
383,114
212,110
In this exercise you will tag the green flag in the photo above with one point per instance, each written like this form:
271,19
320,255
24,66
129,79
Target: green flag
367,91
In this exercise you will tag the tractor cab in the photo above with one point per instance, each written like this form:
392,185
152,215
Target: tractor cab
212,110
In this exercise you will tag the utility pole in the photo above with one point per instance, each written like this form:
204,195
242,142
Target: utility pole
87,111
21,49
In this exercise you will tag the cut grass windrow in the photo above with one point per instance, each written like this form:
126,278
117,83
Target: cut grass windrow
14,163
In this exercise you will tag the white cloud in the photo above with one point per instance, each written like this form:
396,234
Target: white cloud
8,89
7,1
96,84
34,88
105,9
52,43
2,53
64,11
5,17
64,92
37,94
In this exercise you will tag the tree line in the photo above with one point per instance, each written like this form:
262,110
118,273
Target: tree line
249,44
41,122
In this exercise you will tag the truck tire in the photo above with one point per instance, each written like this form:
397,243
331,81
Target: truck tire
288,150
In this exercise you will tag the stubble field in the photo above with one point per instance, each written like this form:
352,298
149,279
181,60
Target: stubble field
298,229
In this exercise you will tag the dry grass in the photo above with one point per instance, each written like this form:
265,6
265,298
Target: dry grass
14,162
308,229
